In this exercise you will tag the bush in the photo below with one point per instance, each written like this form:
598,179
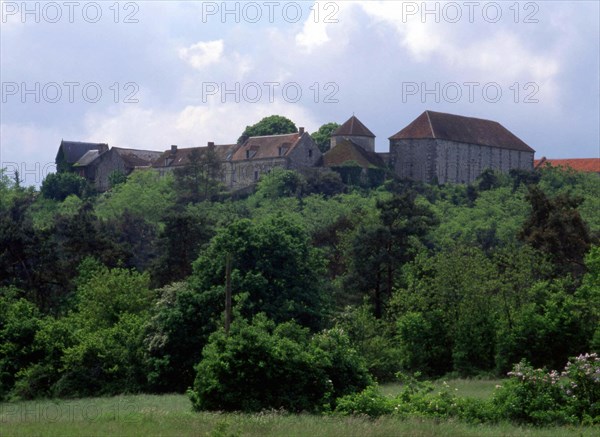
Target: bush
531,396
261,365
583,387
417,399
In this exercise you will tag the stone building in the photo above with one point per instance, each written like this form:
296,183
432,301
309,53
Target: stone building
352,154
452,148
353,130
242,165
98,167
69,152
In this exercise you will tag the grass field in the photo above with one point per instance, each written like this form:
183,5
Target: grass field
171,415
468,388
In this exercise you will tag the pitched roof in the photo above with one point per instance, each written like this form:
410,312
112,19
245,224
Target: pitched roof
136,157
73,150
346,150
181,157
587,165
462,129
268,146
353,127
87,158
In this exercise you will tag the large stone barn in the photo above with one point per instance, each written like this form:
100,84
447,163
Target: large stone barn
453,148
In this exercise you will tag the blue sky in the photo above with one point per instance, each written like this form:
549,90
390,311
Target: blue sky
187,73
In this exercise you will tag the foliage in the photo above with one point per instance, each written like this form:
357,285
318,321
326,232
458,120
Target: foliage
555,227
145,194
200,178
280,183
323,135
180,323
273,262
271,125
59,186
374,341
303,373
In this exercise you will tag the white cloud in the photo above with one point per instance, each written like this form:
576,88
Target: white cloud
203,53
188,127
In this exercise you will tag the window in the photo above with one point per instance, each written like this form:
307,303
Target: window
255,175
310,153
247,154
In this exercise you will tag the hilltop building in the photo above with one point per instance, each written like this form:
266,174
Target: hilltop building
435,147
452,148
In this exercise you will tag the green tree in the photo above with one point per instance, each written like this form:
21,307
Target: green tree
273,262
200,178
556,228
145,194
261,365
323,135
272,125
58,186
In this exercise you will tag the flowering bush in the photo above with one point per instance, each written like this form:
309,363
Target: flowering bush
531,395
582,387
535,396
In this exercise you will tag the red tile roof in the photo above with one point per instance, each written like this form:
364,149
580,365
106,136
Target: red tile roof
462,129
353,127
267,146
588,165
346,150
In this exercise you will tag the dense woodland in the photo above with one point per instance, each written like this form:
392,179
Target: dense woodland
336,283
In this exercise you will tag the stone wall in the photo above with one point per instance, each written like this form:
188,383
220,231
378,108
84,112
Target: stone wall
305,154
106,164
451,161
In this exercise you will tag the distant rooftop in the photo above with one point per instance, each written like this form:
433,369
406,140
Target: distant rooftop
587,165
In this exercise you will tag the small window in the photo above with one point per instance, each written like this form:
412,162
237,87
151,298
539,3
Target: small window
256,175
247,154
310,153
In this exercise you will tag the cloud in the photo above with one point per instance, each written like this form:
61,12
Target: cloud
189,126
203,53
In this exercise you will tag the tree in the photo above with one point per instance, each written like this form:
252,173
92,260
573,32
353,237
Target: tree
199,179
323,135
555,227
272,125
58,186
274,263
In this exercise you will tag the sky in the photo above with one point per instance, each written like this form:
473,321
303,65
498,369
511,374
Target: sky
149,74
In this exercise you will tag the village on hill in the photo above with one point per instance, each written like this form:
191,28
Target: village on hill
435,147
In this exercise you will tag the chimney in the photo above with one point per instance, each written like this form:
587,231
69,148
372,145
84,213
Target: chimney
173,149
211,145
301,131
103,147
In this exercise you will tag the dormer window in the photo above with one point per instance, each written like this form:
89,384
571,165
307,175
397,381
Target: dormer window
247,154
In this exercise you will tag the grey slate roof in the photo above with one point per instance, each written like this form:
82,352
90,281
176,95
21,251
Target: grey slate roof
74,150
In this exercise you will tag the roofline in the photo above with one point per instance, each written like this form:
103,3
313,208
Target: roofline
463,142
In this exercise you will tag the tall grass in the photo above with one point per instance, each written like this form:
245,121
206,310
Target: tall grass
467,388
171,415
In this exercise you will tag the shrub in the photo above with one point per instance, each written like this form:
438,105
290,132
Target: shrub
261,365
583,387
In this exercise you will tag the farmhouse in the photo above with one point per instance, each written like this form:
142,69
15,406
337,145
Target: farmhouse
98,167
242,165
452,148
